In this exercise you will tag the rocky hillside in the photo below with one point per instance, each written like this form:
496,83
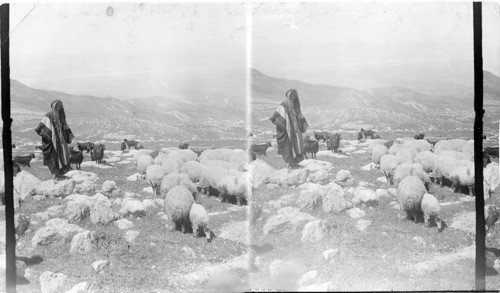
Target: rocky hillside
387,109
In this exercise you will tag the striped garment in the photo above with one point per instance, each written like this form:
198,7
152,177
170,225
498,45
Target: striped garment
289,129
55,151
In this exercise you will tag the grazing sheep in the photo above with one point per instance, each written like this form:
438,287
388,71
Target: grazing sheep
143,162
407,169
406,156
492,217
123,146
417,145
419,136
310,146
199,218
463,174
75,157
469,147
232,185
259,149
333,142
395,148
223,164
456,155
223,154
169,181
87,146
378,151
388,164
24,160
170,167
431,209
443,169
177,205
449,144
97,153
209,179
193,169
409,193
322,135
154,176
181,156
184,146
429,161
374,143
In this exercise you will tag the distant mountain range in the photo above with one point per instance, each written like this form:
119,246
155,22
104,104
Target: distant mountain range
389,109
223,115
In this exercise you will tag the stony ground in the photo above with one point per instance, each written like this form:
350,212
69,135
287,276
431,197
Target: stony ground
365,246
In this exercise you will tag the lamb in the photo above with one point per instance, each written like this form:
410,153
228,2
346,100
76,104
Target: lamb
388,164
404,170
310,146
333,142
198,217
24,160
409,193
154,176
143,162
232,185
88,146
97,153
169,181
378,151
431,209
177,205
259,149
75,157
184,146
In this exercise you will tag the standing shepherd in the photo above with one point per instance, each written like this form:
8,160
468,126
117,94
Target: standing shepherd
290,124
56,135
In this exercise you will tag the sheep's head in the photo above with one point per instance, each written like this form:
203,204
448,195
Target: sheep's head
32,155
208,234
439,224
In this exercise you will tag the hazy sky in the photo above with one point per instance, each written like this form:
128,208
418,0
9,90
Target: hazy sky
167,49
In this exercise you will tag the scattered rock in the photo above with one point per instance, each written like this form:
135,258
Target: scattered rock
102,214
308,200
148,189
260,172
21,224
368,167
343,175
295,177
334,200
79,288
419,240
59,189
76,211
134,177
25,185
80,176
362,224
130,235
55,231
392,192
272,186
55,211
189,251
123,224
382,193
82,242
465,221
159,202
382,180
131,206
52,282
320,177
355,213
117,202
108,186
285,270
308,278
235,231
329,254
86,187
149,204
313,231
288,219
100,265
366,196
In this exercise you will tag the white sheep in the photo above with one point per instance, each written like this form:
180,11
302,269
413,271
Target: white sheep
170,166
160,159
409,193
431,209
378,151
427,159
233,184
388,164
223,164
210,177
444,167
491,179
450,144
395,148
406,155
177,205
469,147
169,181
419,145
236,155
199,218
154,176
143,162
140,153
193,169
376,142
415,169
463,174
181,156
456,155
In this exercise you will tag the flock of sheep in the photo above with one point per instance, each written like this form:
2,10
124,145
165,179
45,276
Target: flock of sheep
411,165
178,175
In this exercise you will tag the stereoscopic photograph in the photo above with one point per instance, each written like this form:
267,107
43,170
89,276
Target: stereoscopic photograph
231,147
